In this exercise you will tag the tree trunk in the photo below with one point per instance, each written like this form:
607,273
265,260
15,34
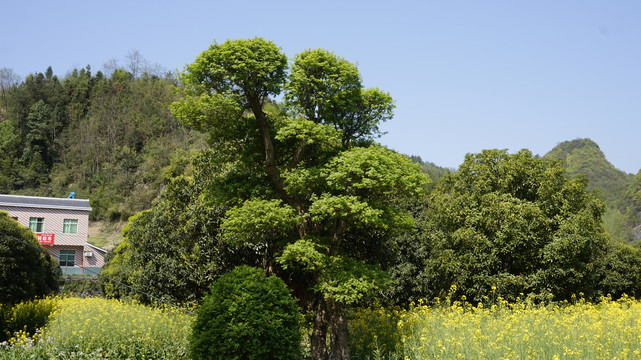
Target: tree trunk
268,147
330,318
319,333
338,348
270,164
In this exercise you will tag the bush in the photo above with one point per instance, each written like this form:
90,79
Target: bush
81,286
247,315
27,316
25,271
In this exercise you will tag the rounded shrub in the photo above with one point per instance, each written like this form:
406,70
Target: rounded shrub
25,271
247,315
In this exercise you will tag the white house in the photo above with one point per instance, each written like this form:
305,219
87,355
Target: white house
62,228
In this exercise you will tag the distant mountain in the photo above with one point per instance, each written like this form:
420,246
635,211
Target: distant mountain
583,156
434,171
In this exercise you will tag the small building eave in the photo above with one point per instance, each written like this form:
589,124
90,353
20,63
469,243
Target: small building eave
96,247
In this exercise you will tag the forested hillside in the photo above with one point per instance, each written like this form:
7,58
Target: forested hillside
111,138
434,171
619,190
106,137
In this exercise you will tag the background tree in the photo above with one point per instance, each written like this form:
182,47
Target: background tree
633,206
38,152
136,63
432,170
307,190
25,272
620,270
8,79
9,150
172,251
506,224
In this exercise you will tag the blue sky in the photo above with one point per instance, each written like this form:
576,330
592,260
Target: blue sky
466,75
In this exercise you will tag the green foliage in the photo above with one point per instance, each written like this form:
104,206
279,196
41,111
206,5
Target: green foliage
633,208
341,279
9,145
247,315
374,171
244,69
258,222
325,88
81,286
25,272
172,251
509,222
620,270
434,172
8,138
304,255
616,225
349,281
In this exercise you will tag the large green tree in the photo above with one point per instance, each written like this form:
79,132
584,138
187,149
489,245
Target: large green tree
307,188
506,224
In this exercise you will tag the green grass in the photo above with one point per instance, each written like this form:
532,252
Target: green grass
104,234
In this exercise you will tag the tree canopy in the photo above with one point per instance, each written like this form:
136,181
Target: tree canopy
508,224
172,250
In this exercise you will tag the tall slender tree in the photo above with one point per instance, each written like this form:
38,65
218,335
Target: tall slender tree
8,79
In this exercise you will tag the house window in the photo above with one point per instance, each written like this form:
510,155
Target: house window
70,226
67,257
36,224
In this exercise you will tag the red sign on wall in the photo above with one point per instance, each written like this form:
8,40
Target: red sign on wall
45,239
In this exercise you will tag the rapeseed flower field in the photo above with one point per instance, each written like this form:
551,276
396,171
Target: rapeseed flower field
96,328
457,330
